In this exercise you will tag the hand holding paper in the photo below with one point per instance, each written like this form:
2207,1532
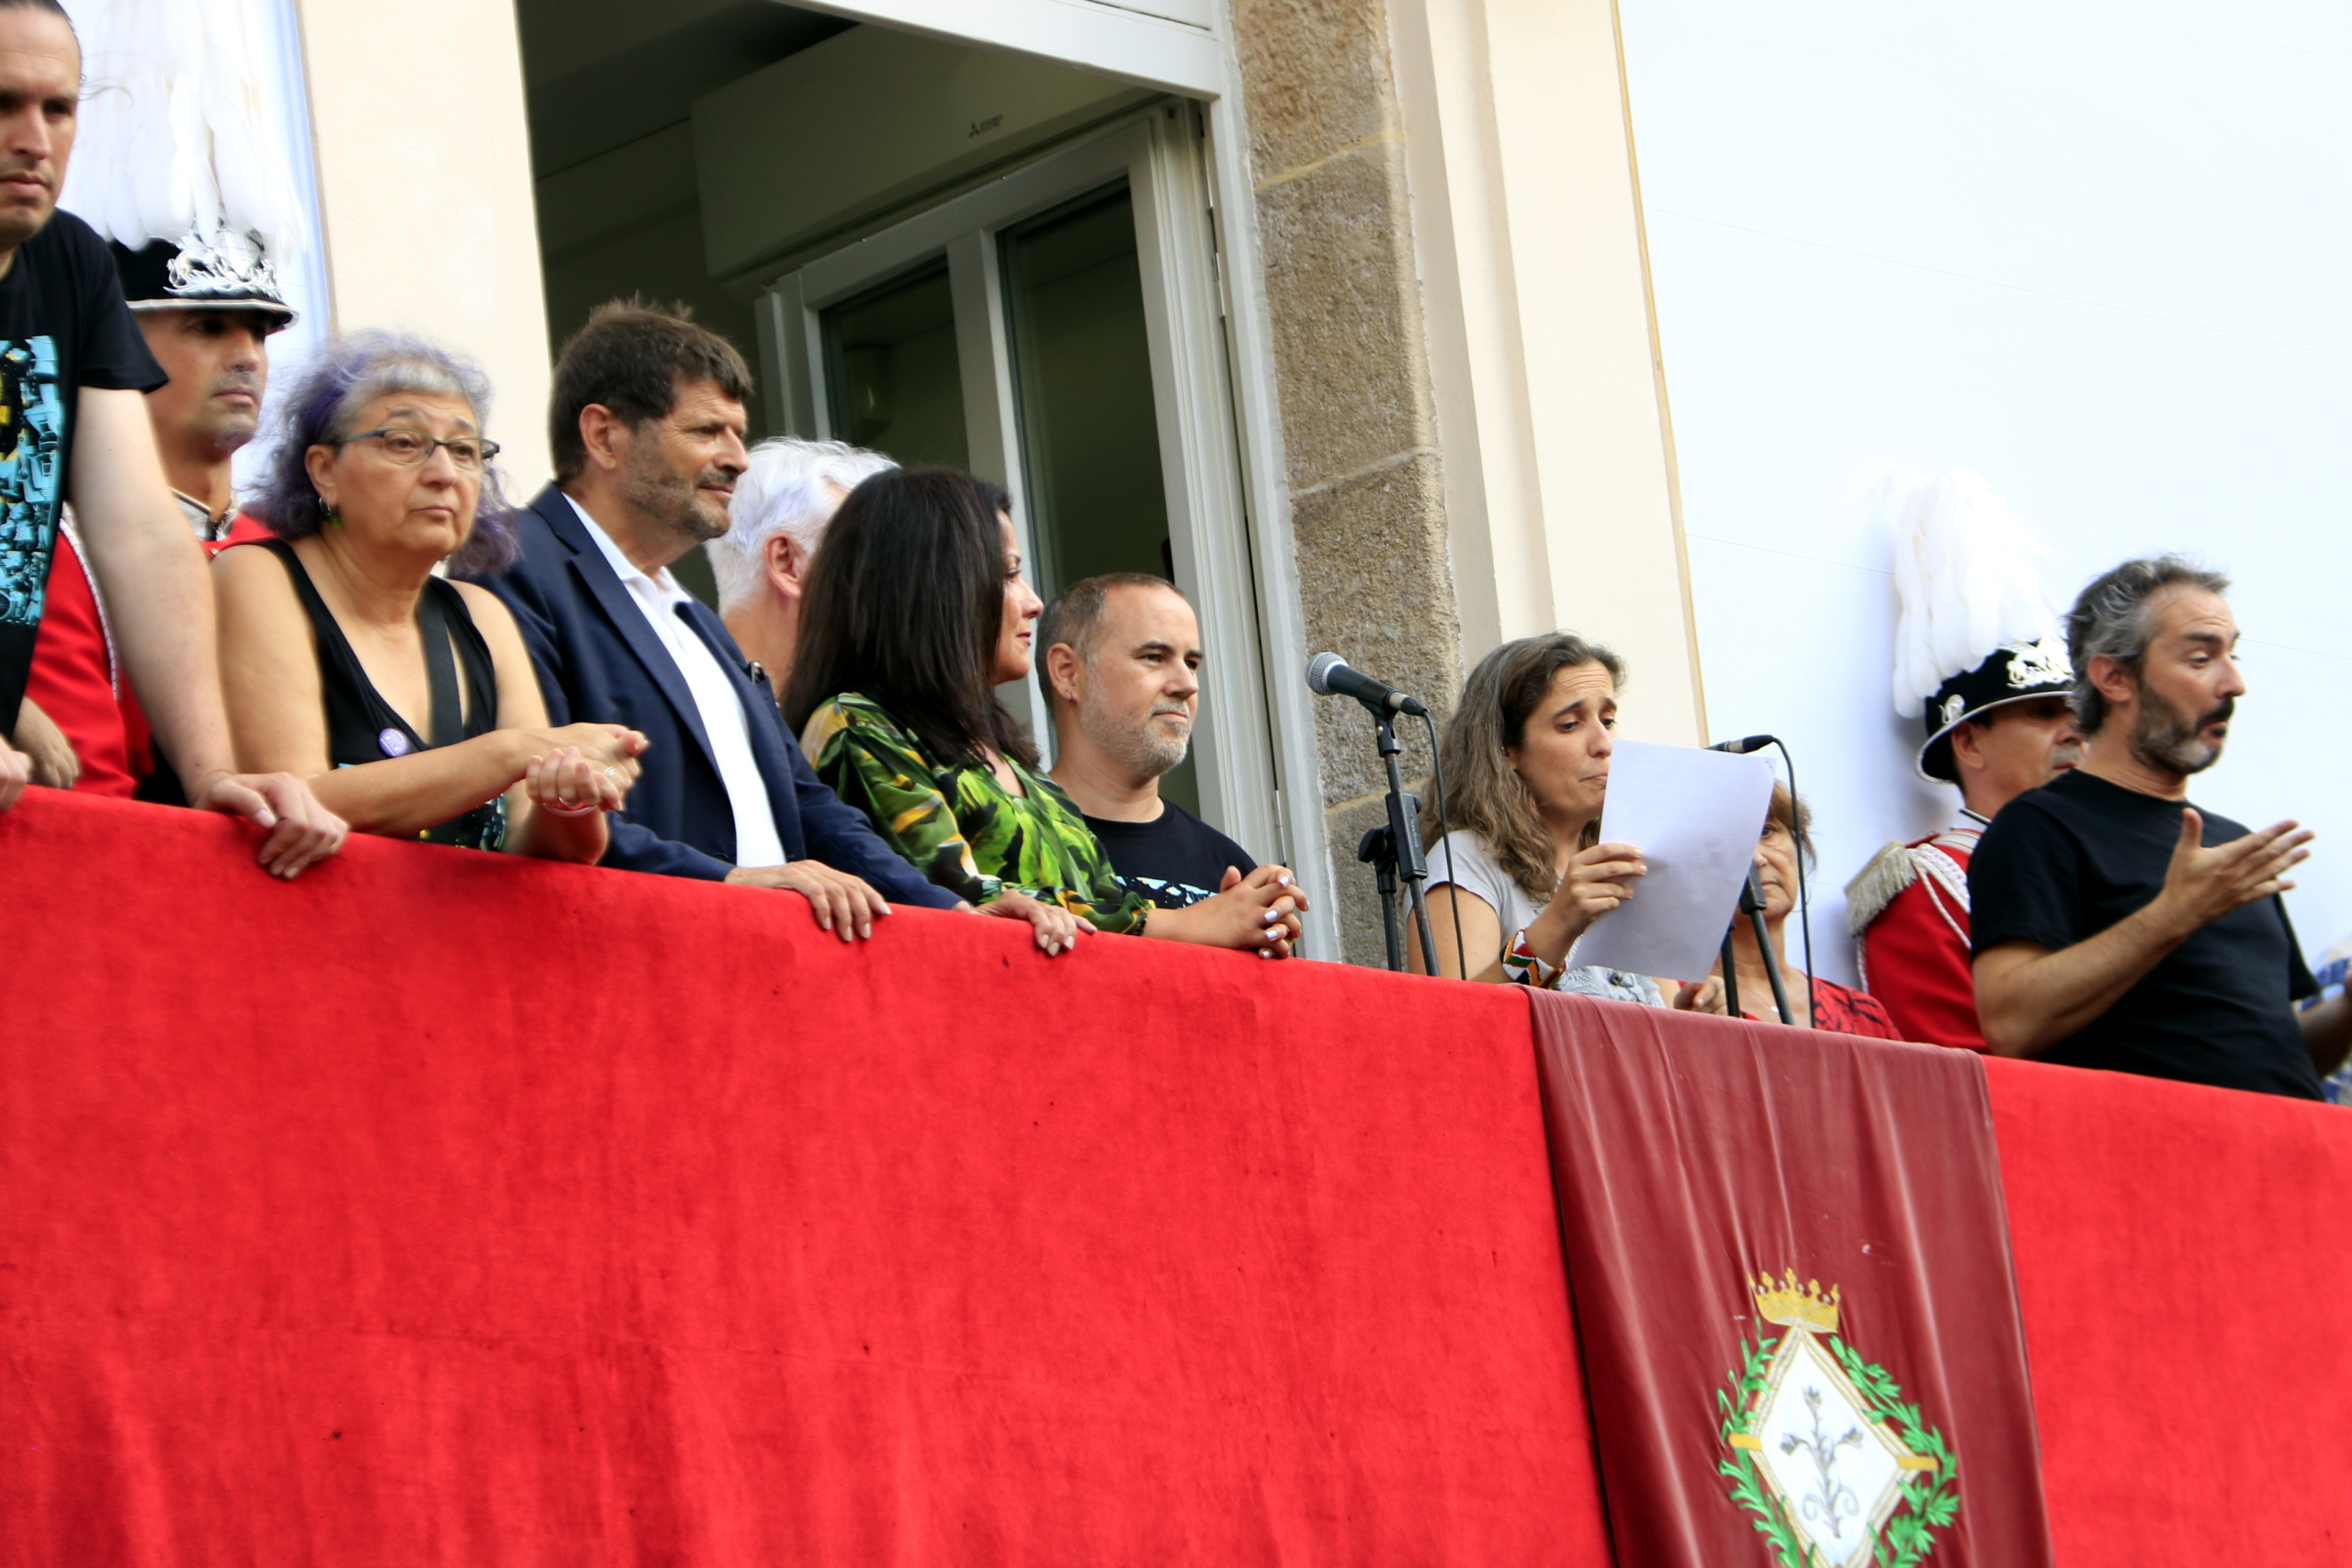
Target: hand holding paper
1600,880
1695,816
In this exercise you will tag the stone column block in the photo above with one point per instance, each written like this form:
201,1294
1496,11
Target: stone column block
1351,371
1345,306
1317,77
1376,589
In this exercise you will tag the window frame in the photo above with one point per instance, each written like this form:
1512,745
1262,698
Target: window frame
1160,153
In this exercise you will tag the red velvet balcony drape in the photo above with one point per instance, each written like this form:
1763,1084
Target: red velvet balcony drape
442,1209
1697,1157
439,1208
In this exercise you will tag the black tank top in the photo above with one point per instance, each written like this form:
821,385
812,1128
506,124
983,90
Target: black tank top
363,728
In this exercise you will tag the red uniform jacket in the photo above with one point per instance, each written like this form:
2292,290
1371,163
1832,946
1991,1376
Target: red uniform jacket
77,680
73,679
1909,908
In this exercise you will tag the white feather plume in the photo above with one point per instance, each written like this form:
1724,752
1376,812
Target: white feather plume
1964,572
176,134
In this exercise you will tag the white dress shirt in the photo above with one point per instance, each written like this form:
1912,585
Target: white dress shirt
723,719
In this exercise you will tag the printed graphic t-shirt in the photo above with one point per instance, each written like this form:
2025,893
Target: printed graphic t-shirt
63,326
1175,860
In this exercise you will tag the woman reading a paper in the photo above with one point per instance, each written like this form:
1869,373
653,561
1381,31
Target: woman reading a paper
1523,872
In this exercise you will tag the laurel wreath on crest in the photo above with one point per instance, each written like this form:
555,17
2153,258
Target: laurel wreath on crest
1930,1500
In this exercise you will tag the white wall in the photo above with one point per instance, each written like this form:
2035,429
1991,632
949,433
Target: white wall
1526,229
424,187
2095,253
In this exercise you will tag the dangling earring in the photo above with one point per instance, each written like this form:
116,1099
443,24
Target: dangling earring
328,514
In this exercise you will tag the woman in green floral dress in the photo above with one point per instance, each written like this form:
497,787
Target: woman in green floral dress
914,611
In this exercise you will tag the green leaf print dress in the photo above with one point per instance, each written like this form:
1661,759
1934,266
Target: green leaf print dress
956,824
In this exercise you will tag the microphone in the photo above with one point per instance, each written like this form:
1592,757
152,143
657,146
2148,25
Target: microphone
1744,745
1328,675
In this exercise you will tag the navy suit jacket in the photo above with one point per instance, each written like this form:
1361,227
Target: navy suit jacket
599,662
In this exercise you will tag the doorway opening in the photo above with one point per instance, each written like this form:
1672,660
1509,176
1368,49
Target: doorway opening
942,253
1082,379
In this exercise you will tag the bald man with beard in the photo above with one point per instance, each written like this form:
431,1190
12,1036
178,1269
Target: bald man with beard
1122,673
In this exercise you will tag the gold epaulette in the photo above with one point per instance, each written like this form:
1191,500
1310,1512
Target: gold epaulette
1875,886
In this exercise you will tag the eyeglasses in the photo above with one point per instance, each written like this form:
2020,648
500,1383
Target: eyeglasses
411,448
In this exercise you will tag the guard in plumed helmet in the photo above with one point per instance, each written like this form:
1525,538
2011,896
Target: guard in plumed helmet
207,305
1995,727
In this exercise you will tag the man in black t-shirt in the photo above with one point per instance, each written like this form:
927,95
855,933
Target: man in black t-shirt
1121,663
2116,926
73,427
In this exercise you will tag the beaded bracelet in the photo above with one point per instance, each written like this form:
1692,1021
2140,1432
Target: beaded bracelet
1521,963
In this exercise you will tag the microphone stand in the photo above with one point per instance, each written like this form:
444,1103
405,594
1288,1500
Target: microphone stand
1751,904
1731,974
1412,865
1378,850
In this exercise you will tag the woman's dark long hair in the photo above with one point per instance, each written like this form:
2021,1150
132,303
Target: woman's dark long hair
905,605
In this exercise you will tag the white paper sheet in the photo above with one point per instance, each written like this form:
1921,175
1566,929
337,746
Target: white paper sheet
1695,816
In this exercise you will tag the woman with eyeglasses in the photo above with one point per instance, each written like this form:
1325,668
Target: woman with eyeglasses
408,700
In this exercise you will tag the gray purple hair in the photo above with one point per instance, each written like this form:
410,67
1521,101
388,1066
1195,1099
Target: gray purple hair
2113,615
322,408
783,491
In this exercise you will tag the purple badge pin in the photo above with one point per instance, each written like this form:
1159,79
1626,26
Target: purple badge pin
393,742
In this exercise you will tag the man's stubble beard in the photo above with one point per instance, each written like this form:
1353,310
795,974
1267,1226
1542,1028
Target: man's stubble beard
2162,739
1137,747
230,432
228,435
20,223
653,488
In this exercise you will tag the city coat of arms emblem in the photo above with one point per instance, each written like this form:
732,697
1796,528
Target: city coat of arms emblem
1836,1470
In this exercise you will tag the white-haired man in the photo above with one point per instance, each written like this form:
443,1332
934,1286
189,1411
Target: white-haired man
781,505
1122,673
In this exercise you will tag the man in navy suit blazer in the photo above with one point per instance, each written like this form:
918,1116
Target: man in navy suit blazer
646,425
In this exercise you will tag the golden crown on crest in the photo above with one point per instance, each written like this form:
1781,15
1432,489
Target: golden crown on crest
1793,1306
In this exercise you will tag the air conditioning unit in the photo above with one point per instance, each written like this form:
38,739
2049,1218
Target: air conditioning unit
866,120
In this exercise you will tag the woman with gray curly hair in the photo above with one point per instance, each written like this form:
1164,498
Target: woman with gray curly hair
406,700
